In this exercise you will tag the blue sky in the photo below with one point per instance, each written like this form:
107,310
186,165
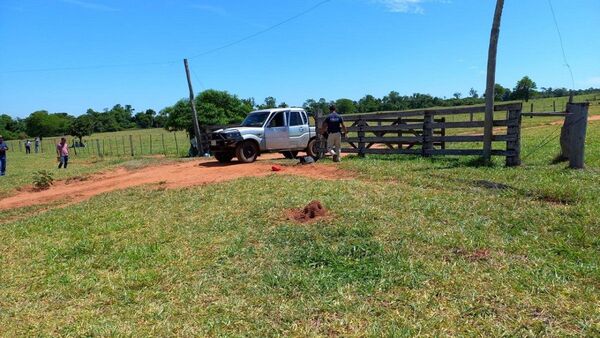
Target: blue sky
58,54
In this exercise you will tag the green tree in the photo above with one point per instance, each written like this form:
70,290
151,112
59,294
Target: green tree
270,102
473,93
346,106
82,126
525,89
368,104
41,123
499,92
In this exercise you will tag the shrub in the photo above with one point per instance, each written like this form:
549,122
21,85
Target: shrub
42,180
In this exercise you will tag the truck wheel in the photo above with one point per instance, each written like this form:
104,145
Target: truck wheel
246,152
313,148
224,157
290,155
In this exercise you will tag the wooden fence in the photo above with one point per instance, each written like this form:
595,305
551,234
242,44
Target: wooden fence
428,132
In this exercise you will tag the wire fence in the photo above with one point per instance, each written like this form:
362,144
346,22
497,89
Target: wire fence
135,144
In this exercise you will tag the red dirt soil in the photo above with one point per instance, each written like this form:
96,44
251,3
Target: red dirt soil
170,176
313,211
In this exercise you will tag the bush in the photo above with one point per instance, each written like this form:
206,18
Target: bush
42,180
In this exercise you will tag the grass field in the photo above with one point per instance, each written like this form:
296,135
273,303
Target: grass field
414,247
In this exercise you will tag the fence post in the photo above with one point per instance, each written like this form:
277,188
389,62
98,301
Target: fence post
150,144
110,147
361,137
98,146
141,146
532,107
443,133
131,145
176,144
103,148
513,145
554,104
427,134
572,139
163,144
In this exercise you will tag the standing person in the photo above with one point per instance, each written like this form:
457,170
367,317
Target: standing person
27,147
334,126
62,150
3,149
37,144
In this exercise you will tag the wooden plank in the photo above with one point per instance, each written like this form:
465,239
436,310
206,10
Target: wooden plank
390,128
471,138
467,152
384,151
394,139
514,144
434,111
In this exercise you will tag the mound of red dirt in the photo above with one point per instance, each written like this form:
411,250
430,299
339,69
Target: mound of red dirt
313,211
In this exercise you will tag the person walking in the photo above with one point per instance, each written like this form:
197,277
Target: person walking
3,150
36,143
62,150
334,126
27,147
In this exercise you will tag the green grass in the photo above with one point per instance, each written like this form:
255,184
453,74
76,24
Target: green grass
414,246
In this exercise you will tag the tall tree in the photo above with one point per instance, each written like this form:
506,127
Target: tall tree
525,89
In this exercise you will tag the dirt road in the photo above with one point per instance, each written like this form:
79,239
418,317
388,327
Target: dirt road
177,175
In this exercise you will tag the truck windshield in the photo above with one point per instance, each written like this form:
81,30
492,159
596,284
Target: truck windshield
256,119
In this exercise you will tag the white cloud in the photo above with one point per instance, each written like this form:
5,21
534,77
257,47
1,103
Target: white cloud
91,5
406,6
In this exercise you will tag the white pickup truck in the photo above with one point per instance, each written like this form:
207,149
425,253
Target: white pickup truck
284,130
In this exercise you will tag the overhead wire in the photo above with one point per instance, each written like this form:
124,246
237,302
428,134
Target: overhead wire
562,45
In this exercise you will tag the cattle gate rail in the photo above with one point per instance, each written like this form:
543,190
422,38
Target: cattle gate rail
426,132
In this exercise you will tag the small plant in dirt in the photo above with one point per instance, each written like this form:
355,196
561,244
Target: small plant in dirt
42,180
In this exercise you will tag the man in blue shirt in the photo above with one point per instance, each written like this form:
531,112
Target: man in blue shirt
333,126
3,150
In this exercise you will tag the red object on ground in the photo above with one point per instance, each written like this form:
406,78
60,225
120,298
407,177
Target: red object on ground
276,168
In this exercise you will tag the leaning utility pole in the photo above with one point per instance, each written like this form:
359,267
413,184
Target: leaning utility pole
491,83
199,146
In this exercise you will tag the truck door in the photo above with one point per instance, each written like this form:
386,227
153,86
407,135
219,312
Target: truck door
277,132
298,125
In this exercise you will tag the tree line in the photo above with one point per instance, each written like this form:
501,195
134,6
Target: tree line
223,108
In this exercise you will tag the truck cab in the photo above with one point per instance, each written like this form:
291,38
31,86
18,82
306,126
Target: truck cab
283,130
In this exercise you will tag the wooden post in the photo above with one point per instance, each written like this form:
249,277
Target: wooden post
362,146
443,133
123,140
163,144
514,145
532,107
198,136
150,144
427,134
141,146
491,83
572,139
176,144
98,147
103,148
131,145
554,104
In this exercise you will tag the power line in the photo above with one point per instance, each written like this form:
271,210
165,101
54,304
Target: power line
268,29
210,51
562,45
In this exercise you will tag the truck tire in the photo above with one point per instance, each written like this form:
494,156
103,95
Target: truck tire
290,155
313,149
224,157
246,151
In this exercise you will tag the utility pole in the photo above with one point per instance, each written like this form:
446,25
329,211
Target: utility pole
200,148
491,83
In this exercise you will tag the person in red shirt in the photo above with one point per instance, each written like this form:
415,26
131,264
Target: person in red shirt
62,150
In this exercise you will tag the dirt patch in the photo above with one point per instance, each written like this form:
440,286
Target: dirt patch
590,119
312,212
77,179
168,176
479,255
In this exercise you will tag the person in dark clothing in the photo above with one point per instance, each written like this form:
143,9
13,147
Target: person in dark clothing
3,150
334,126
